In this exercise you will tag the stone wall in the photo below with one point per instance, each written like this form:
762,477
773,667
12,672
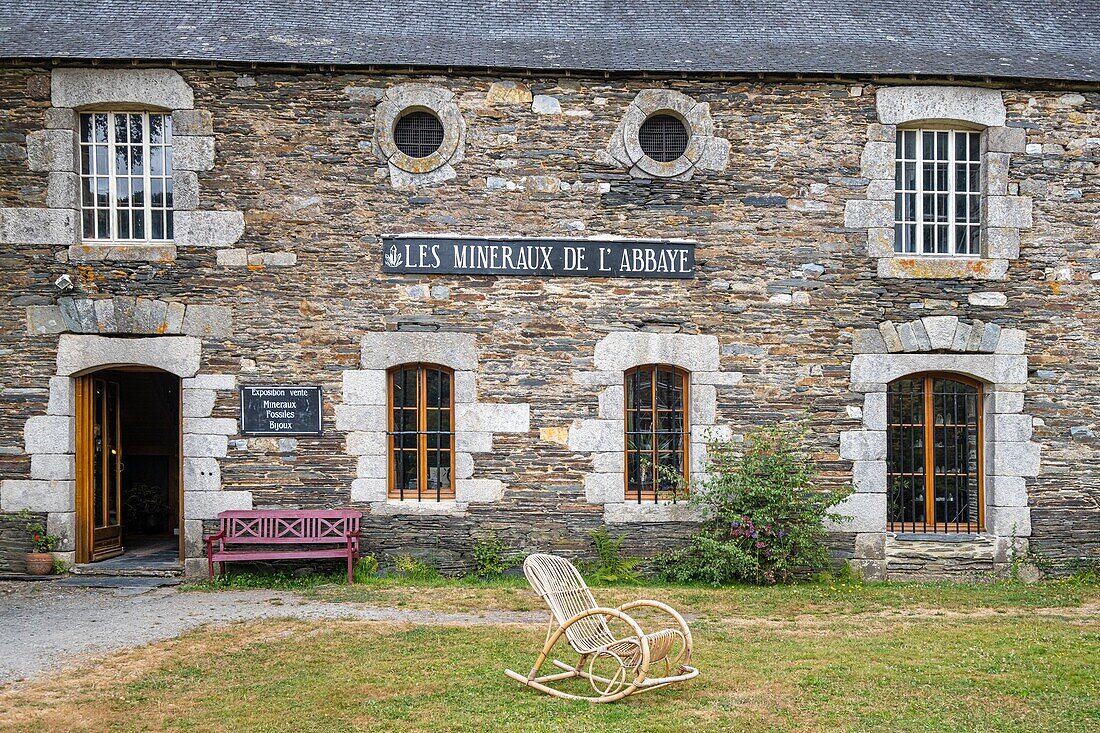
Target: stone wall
15,542
784,282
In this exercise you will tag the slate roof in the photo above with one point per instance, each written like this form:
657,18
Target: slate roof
1042,39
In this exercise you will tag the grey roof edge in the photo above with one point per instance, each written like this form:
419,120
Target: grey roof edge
859,76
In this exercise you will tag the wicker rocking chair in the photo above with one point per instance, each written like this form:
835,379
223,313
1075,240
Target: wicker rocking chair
625,659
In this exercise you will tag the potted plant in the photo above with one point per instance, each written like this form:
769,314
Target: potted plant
40,558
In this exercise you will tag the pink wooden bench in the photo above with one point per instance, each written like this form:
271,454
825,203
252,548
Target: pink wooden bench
297,533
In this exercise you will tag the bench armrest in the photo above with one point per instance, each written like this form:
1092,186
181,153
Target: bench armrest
211,539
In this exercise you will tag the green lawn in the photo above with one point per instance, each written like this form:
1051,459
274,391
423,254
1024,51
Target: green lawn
819,657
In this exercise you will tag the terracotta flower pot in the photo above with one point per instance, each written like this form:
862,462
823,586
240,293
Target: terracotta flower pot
39,563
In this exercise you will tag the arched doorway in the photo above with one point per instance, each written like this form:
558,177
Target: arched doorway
128,466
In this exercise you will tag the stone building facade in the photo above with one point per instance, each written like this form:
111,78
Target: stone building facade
286,180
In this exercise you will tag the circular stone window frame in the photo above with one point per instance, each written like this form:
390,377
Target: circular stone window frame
704,149
404,99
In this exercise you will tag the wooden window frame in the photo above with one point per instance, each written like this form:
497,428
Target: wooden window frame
654,495
421,493
928,436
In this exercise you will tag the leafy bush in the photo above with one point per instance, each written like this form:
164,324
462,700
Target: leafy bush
610,566
365,569
490,558
414,569
763,513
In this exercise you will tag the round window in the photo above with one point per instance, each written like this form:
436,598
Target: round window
418,134
663,137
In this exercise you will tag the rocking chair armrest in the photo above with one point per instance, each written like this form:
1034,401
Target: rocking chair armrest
643,641
668,610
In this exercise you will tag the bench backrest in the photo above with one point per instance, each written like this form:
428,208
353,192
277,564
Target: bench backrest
288,526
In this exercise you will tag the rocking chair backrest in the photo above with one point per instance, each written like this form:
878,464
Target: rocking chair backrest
565,592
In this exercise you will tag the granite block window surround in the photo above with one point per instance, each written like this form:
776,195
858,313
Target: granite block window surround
988,353
604,437
363,415
913,149
75,162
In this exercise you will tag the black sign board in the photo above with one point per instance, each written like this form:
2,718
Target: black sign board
644,258
280,410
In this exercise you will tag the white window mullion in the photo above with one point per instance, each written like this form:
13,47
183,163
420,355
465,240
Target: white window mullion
918,153
112,180
951,212
147,197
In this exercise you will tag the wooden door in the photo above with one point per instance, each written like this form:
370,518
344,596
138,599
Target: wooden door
99,469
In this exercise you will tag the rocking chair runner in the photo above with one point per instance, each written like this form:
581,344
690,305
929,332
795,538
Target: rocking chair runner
575,615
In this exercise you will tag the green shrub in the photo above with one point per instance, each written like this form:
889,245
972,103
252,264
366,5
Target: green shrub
491,558
763,513
59,566
610,566
414,569
365,569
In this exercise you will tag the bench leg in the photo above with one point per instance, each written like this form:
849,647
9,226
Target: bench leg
350,578
221,567
210,565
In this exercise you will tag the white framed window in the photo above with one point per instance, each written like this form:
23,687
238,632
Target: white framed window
126,176
937,192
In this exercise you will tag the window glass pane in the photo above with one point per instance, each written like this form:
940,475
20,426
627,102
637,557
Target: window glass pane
137,160
121,135
135,129
101,128
156,129
85,128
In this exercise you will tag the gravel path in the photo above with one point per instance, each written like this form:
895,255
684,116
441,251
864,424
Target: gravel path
46,627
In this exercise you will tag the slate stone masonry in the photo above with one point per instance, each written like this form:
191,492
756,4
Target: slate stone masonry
282,268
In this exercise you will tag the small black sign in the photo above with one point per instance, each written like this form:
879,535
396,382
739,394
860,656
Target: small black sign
285,410
643,258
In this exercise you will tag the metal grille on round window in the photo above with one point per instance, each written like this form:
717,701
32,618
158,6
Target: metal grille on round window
418,134
663,138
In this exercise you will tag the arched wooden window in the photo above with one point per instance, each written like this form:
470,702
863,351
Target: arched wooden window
421,432
934,454
656,431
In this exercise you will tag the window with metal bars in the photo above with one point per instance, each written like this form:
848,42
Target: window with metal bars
418,134
421,432
126,176
656,401
663,137
937,192
934,454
